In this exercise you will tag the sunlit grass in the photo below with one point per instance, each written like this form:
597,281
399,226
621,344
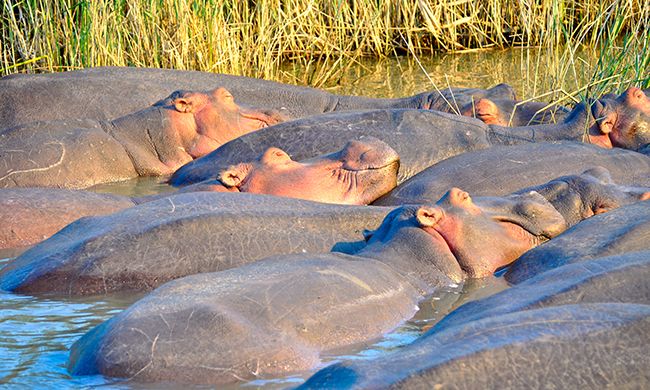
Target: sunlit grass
324,39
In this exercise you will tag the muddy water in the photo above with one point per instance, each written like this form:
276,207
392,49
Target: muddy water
36,332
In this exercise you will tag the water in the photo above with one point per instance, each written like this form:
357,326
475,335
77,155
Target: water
37,331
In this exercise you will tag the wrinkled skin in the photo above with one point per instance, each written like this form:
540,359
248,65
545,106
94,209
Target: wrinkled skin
512,113
154,141
447,136
141,247
105,93
502,170
278,315
618,284
357,175
617,232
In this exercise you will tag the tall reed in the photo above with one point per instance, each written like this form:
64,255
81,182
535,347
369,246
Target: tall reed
255,37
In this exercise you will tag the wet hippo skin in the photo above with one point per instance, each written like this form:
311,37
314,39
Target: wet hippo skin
550,296
277,315
593,345
106,93
423,138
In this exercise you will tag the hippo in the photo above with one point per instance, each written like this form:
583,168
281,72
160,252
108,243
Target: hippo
358,174
141,247
105,93
276,316
504,169
429,362
151,142
505,112
439,135
624,230
598,345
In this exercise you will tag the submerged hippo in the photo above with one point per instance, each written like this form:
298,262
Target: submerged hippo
624,230
423,138
502,170
106,93
277,316
535,333
154,141
358,174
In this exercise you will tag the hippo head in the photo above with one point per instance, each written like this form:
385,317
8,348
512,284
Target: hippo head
209,119
478,238
512,113
359,173
593,192
623,122
487,111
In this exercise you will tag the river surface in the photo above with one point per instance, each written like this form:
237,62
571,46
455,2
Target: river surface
36,332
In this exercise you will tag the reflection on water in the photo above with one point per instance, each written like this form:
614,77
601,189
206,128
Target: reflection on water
36,332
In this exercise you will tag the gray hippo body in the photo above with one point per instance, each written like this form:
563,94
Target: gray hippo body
144,246
105,93
502,170
626,229
566,327
278,315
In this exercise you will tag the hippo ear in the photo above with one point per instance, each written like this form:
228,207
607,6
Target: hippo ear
428,216
185,105
645,196
605,117
367,234
235,175
600,173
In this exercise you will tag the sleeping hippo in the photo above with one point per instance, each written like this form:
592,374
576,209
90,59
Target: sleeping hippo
358,174
423,138
501,170
277,316
151,142
106,93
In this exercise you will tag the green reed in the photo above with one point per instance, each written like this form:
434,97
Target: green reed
256,37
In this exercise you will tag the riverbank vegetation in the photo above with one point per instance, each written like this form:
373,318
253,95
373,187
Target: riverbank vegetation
259,37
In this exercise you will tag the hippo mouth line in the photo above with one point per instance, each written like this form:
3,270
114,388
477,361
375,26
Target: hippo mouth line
372,168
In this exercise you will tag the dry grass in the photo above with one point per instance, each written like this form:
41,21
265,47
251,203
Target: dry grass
323,39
